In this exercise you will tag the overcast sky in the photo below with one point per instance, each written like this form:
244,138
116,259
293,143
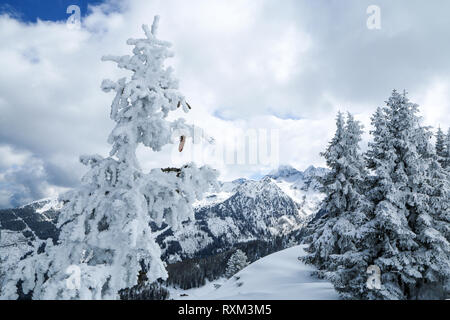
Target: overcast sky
286,66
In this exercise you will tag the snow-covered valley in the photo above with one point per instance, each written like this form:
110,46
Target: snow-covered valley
279,276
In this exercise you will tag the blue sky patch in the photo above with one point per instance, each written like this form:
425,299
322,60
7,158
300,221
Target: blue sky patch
46,10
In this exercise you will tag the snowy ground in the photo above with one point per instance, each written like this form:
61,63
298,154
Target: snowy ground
280,276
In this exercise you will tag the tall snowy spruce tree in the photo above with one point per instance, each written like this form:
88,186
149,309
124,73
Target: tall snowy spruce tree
404,235
440,146
106,242
446,162
334,239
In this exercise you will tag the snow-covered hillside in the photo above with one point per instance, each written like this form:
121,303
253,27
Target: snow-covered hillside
280,276
239,211
35,220
244,210
22,229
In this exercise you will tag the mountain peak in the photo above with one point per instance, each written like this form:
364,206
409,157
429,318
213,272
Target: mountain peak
313,171
252,188
284,171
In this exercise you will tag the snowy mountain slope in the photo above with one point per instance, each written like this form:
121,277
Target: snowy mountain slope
47,207
277,204
256,210
22,228
302,187
280,276
35,220
239,211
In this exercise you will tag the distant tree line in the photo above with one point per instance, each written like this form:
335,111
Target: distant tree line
195,272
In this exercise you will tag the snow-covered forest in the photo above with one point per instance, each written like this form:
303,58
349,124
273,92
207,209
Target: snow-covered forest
373,224
387,208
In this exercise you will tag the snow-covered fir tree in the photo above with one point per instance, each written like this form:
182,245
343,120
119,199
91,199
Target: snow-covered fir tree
106,241
446,162
236,263
402,236
334,239
440,146
433,224
433,232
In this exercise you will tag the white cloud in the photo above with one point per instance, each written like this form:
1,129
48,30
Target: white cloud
10,158
23,178
242,64
435,103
